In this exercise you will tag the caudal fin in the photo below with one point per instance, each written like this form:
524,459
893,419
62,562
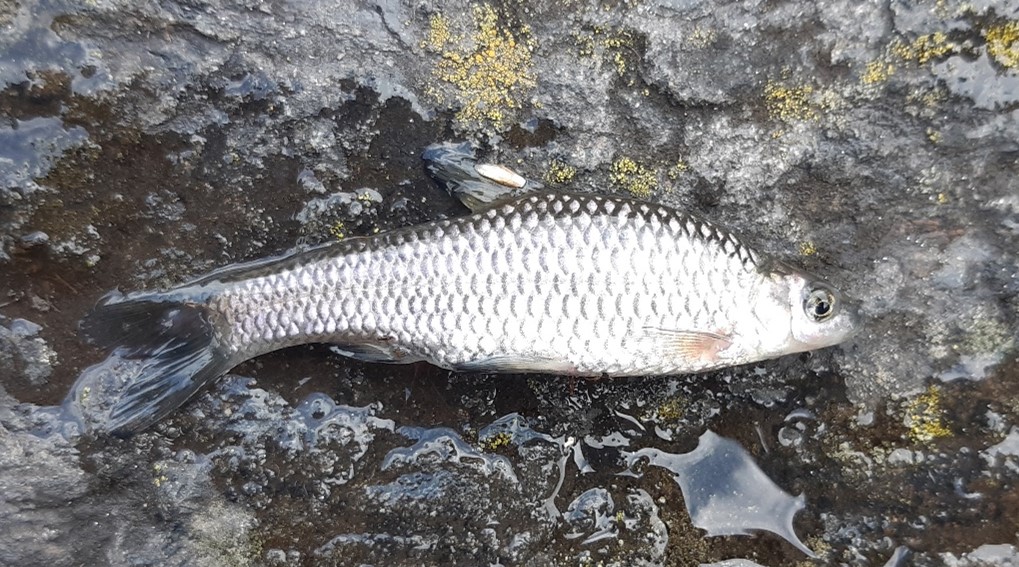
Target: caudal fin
175,339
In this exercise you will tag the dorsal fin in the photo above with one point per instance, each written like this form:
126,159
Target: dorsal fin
478,186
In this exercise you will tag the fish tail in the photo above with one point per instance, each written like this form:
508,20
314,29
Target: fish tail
178,342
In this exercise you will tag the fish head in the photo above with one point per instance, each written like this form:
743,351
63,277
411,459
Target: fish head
819,315
799,311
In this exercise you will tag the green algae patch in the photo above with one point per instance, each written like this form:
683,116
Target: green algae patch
925,416
637,179
488,67
821,548
1003,43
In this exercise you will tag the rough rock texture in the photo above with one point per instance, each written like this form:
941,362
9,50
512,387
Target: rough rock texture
874,143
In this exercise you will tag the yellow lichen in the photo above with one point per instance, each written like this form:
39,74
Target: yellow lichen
438,33
822,549
926,99
877,72
497,441
607,45
634,177
338,230
923,48
702,37
933,135
985,336
620,62
932,46
925,417
585,44
790,103
807,248
932,99
1003,43
677,169
559,173
489,68
159,478
618,39
672,410
917,52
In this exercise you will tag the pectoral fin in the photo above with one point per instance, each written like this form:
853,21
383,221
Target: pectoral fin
692,345
478,186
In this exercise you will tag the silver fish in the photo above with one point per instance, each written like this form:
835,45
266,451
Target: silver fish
576,284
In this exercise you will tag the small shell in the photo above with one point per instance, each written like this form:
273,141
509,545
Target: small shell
500,174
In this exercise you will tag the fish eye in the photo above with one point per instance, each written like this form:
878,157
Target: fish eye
819,304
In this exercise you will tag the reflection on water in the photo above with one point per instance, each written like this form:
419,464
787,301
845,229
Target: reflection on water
725,492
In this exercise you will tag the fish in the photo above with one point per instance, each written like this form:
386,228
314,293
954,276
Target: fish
537,281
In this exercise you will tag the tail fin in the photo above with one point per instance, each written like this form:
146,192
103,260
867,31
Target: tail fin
175,338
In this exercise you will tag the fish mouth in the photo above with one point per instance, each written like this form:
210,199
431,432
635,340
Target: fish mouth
849,325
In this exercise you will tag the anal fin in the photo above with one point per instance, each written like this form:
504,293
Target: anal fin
377,350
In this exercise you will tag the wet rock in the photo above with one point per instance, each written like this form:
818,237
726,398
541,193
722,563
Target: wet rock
24,353
32,239
872,144
30,148
38,477
990,554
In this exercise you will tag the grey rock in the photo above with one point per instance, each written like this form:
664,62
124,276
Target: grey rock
152,142
32,239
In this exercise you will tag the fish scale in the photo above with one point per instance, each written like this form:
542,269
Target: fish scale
600,269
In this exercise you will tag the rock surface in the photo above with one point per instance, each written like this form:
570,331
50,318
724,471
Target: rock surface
873,143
